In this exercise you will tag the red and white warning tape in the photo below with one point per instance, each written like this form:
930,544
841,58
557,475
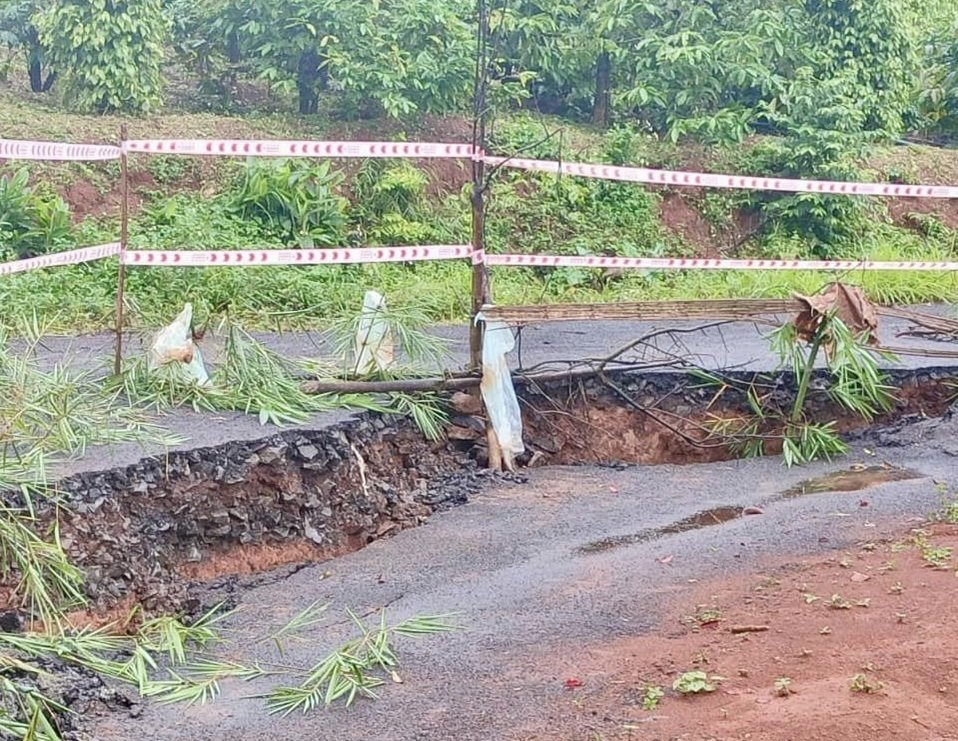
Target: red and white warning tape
72,257
37,150
738,182
681,263
268,148
252,258
11,149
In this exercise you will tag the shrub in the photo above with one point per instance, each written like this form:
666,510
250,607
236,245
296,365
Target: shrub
390,204
109,51
294,200
30,223
828,223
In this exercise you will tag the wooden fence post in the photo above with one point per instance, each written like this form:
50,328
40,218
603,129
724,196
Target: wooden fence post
124,237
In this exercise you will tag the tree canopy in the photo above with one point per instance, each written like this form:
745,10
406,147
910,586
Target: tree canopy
709,69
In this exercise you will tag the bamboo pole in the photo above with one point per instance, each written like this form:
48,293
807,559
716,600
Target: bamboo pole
124,238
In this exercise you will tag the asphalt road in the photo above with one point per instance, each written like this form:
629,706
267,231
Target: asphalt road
532,603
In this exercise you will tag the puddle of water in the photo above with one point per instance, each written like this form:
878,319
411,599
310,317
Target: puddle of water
854,479
707,518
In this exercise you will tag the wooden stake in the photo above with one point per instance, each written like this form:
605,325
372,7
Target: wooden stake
124,237
480,276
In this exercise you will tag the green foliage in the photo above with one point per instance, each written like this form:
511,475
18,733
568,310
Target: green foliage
184,221
868,44
948,511
31,223
252,379
569,216
355,669
696,69
205,39
381,187
402,57
854,382
423,353
526,136
108,52
938,79
56,413
294,200
713,70
651,696
804,443
828,224
48,415
857,385
18,31
26,713
169,169
390,205
46,582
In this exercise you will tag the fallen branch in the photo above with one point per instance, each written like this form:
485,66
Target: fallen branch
387,387
927,325
458,383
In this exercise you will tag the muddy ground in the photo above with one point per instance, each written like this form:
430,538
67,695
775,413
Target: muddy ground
580,586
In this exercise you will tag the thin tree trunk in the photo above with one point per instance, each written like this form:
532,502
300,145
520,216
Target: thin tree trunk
233,57
36,75
307,77
602,105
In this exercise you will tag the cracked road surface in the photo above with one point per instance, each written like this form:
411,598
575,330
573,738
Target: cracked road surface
543,575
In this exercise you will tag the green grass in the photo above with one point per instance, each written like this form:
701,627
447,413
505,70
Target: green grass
81,298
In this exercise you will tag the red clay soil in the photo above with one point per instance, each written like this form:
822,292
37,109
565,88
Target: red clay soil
682,218
904,210
867,639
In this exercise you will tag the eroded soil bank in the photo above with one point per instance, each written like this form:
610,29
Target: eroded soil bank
148,533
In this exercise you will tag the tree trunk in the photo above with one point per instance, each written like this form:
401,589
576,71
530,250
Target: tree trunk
602,105
233,58
307,77
36,76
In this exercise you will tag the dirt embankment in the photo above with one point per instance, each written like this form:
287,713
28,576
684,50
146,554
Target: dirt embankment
146,534
684,213
673,418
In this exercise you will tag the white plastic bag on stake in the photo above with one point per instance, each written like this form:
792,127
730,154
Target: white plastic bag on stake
174,344
374,339
498,393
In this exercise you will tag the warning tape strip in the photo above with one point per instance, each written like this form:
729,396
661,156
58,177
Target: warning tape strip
681,263
738,182
12,149
72,257
356,256
38,150
269,148
253,258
